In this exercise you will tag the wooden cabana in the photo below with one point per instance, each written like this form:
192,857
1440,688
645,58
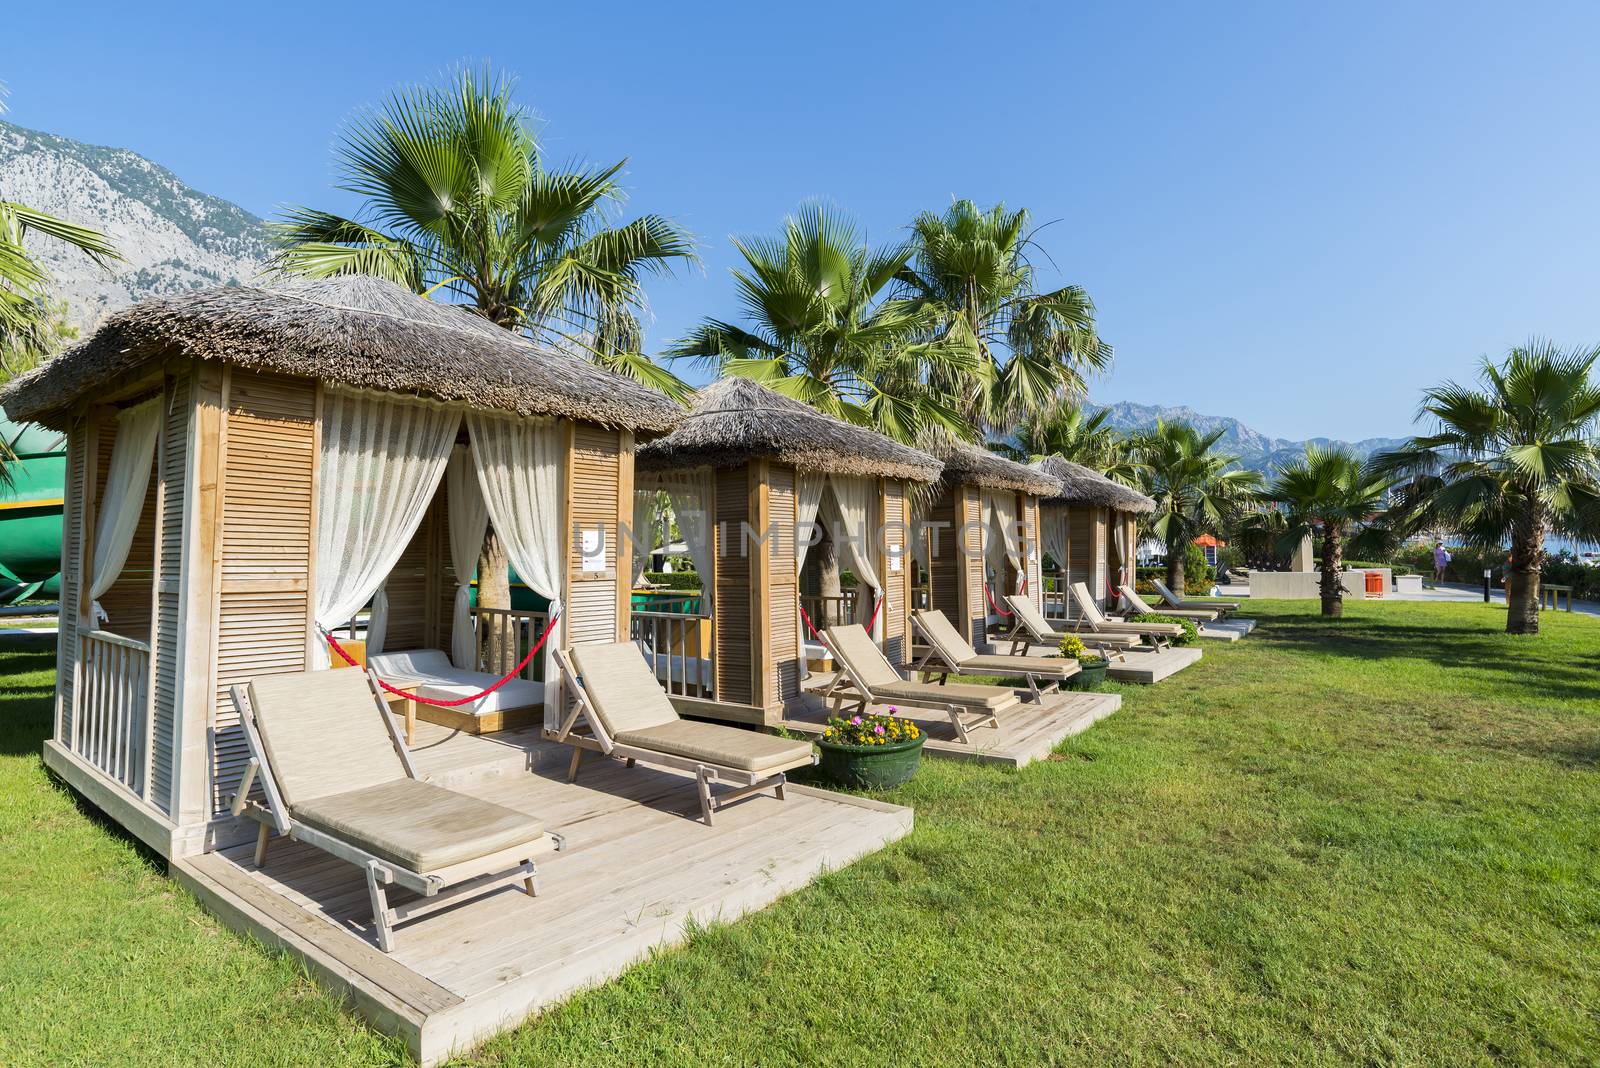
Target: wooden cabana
249,468
979,538
1089,532
750,473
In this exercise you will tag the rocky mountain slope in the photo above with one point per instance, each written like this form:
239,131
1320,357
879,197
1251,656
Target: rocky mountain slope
1255,450
173,237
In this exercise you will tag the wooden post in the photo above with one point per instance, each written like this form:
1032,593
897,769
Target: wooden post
198,594
624,515
759,567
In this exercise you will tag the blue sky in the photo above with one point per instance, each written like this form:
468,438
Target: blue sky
1298,215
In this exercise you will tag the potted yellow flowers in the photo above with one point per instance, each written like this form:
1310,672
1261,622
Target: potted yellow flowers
1091,665
870,752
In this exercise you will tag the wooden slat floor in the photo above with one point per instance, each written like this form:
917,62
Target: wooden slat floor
637,869
1028,731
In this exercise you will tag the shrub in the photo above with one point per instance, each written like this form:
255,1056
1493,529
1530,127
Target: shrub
675,580
870,730
1191,632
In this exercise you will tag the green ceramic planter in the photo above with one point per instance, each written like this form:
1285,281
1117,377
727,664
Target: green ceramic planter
870,767
1089,676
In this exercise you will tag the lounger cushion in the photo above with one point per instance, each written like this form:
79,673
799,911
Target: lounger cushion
943,636
924,694
855,646
323,733
715,744
1050,666
417,824
412,663
620,685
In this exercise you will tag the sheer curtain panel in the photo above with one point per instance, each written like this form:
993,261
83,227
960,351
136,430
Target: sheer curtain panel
469,523
382,460
133,454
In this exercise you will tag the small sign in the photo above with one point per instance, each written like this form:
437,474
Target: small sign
894,558
592,547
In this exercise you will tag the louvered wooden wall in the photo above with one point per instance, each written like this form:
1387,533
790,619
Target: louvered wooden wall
594,488
944,567
412,622
896,625
731,607
1080,555
265,552
976,604
72,523
1033,550
782,611
166,647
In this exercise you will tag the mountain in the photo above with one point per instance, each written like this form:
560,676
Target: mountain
173,237
1255,450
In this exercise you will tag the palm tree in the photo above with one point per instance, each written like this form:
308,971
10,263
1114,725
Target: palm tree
1196,488
971,271
1326,493
819,328
458,199
1068,434
1512,460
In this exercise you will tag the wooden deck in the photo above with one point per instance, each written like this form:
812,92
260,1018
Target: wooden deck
1028,730
1145,666
638,868
1227,630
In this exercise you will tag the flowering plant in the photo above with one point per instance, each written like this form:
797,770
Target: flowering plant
870,730
1072,648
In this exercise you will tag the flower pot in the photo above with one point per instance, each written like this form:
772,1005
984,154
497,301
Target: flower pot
870,767
1089,676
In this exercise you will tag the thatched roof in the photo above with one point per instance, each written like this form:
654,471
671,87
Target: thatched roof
354,331
973,466
734,420
1083,486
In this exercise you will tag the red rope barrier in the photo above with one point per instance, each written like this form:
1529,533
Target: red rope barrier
876,608
990,596
348,659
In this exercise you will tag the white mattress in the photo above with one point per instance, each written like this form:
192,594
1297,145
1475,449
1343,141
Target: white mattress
442,681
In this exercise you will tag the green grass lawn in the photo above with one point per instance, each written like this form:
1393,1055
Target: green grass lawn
1375,840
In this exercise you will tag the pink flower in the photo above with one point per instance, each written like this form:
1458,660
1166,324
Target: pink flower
856,721
878,729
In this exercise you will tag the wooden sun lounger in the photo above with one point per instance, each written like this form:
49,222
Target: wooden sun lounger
335,775
951,654
628,717
1157,634
1139,604
866,676
1173,601
1035,628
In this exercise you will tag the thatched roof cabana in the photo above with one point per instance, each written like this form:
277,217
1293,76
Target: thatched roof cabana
1080,485
735,420
971,465
352,331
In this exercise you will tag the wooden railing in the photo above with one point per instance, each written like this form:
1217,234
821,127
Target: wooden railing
504,637
679,647
829,611
111,712
1057,596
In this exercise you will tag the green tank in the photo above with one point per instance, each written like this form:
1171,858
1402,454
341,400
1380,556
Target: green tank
30,512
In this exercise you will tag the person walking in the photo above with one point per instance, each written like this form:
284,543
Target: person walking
1441,560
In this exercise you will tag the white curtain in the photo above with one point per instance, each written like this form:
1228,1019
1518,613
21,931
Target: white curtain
378,620
127,481
1053,533
1119,537
807,502
858,501
519,465
690,494
382,459
1000,510
644,528
469,523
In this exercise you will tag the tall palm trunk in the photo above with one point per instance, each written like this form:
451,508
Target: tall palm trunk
1332,564
494,591
1526,571
829,581
1175,577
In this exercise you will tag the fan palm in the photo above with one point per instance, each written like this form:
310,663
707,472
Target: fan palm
970,271
457,198
1067,433
819,329
1196,487
1512,461
1326,493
